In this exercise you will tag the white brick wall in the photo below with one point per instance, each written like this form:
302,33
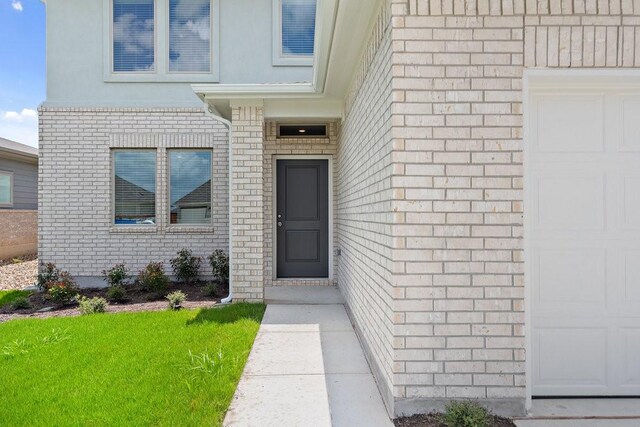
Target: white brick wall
457,183
247,204
75,221
363,204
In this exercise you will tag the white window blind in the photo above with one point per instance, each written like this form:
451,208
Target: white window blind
298,25
190,186
133,36
189,36
134,187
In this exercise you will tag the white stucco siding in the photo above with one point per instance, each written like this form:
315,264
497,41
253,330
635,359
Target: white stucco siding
76,55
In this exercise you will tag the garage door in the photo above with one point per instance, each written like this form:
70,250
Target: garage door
583,248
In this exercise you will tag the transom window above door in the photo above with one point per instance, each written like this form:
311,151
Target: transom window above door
161,40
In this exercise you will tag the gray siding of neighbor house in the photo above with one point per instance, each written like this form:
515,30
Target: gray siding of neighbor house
25,183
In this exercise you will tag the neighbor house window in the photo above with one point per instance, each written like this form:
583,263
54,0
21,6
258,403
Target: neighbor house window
134,184
190,36
295,22
190,186
133,36
6,188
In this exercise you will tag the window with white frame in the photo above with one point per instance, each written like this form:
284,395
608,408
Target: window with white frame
6,188
294,31
190,36
134,187
161,40
190,186
133,32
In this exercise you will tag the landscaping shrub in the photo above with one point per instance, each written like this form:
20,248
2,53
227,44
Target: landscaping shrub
20,303
117,275
211,289
116,293
219,262
63,290
186,266
176,299
92,305
466,414
49,274
152,278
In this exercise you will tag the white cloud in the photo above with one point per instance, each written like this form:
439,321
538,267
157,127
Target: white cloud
17,5
20,126
25,114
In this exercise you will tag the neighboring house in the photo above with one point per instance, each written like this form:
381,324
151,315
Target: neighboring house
18,199
466,171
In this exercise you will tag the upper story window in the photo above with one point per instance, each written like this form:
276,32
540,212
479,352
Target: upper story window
294,31
6,189
133,36
189,36
161,41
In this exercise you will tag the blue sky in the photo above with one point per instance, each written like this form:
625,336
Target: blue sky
22,68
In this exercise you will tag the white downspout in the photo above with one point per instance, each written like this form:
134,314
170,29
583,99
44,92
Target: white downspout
210,111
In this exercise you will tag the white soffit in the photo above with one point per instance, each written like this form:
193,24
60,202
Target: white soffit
342,31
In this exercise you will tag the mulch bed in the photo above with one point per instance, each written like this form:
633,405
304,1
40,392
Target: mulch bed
137,300
433,420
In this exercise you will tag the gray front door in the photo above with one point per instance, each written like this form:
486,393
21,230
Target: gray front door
302,218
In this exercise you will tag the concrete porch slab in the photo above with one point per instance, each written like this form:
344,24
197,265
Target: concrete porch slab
591,412
309,318
302,295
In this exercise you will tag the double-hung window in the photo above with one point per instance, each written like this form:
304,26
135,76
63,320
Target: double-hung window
134,185
133,33
190,186
190,36
162,40
294,31
6,189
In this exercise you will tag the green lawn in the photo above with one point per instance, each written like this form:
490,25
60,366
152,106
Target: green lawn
151,368
7,297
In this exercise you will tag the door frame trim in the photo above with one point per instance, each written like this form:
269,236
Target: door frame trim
536,80
274,208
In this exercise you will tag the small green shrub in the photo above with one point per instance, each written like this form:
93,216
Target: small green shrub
219,262
116,293
465,414
186,266
17,260
211,289
49,273
92,305
176,299
63,290
153,278
117,275
20,303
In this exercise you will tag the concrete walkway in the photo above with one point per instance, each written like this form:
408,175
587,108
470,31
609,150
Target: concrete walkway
307,368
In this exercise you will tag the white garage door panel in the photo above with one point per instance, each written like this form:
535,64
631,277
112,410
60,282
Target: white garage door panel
583,253
571,276
568,200
630,344
631,125
584,350
570,123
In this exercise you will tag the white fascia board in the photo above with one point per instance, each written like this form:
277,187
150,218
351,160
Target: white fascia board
325,21
222,91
